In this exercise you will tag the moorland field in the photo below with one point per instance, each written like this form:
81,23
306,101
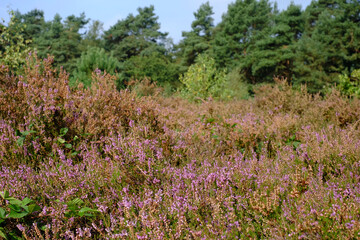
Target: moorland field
99,163
245,129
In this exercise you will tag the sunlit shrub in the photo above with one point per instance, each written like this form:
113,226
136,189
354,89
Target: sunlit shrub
350,85
13,47
203,80
93,58
236,87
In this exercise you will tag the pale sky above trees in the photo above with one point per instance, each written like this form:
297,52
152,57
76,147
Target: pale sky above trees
175,16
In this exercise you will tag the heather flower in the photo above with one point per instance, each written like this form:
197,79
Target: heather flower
21,227
282,165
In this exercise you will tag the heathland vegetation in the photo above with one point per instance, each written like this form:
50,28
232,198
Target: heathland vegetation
249,129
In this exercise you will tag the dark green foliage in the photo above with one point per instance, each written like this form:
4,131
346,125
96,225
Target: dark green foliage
330,43
156,66
197,41
94,58
32,23
245,22
274,54
17,208
22,136
141,48
254,42
62,40
136,35
75,209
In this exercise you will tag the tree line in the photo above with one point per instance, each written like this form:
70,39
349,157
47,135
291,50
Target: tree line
253,42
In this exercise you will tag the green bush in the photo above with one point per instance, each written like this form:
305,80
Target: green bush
236,85
90,60
74,209
350,85
159,69
13,47
14,209
203,80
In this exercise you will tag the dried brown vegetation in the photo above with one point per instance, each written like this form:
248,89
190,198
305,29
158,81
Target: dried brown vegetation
284,164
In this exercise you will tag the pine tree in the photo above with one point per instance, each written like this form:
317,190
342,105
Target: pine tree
90,60
330,44
62,40
245,22
136,35
140,46
197,41
32,23
274,54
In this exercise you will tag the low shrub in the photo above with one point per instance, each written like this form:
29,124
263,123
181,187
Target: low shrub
203,80
107,164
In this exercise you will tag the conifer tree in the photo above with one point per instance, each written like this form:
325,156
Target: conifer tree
197,41
330,44
274,54
140,46
136,35
245,22
31,22
91,59
62,40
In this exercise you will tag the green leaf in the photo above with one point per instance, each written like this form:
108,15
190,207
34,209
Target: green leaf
15,202
14,214
20,141
2,234
2,213
68,145
43,228
63,131
13,235
86,211
15,207
210,120
5,194
26,201
33,208
76,201
60,140
296,144
25,133
74,153
18,133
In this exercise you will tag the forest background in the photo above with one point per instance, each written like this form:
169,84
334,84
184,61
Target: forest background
252,43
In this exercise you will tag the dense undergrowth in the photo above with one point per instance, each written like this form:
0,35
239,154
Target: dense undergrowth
104,164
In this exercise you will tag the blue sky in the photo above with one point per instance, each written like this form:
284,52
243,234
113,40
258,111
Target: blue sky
175,16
